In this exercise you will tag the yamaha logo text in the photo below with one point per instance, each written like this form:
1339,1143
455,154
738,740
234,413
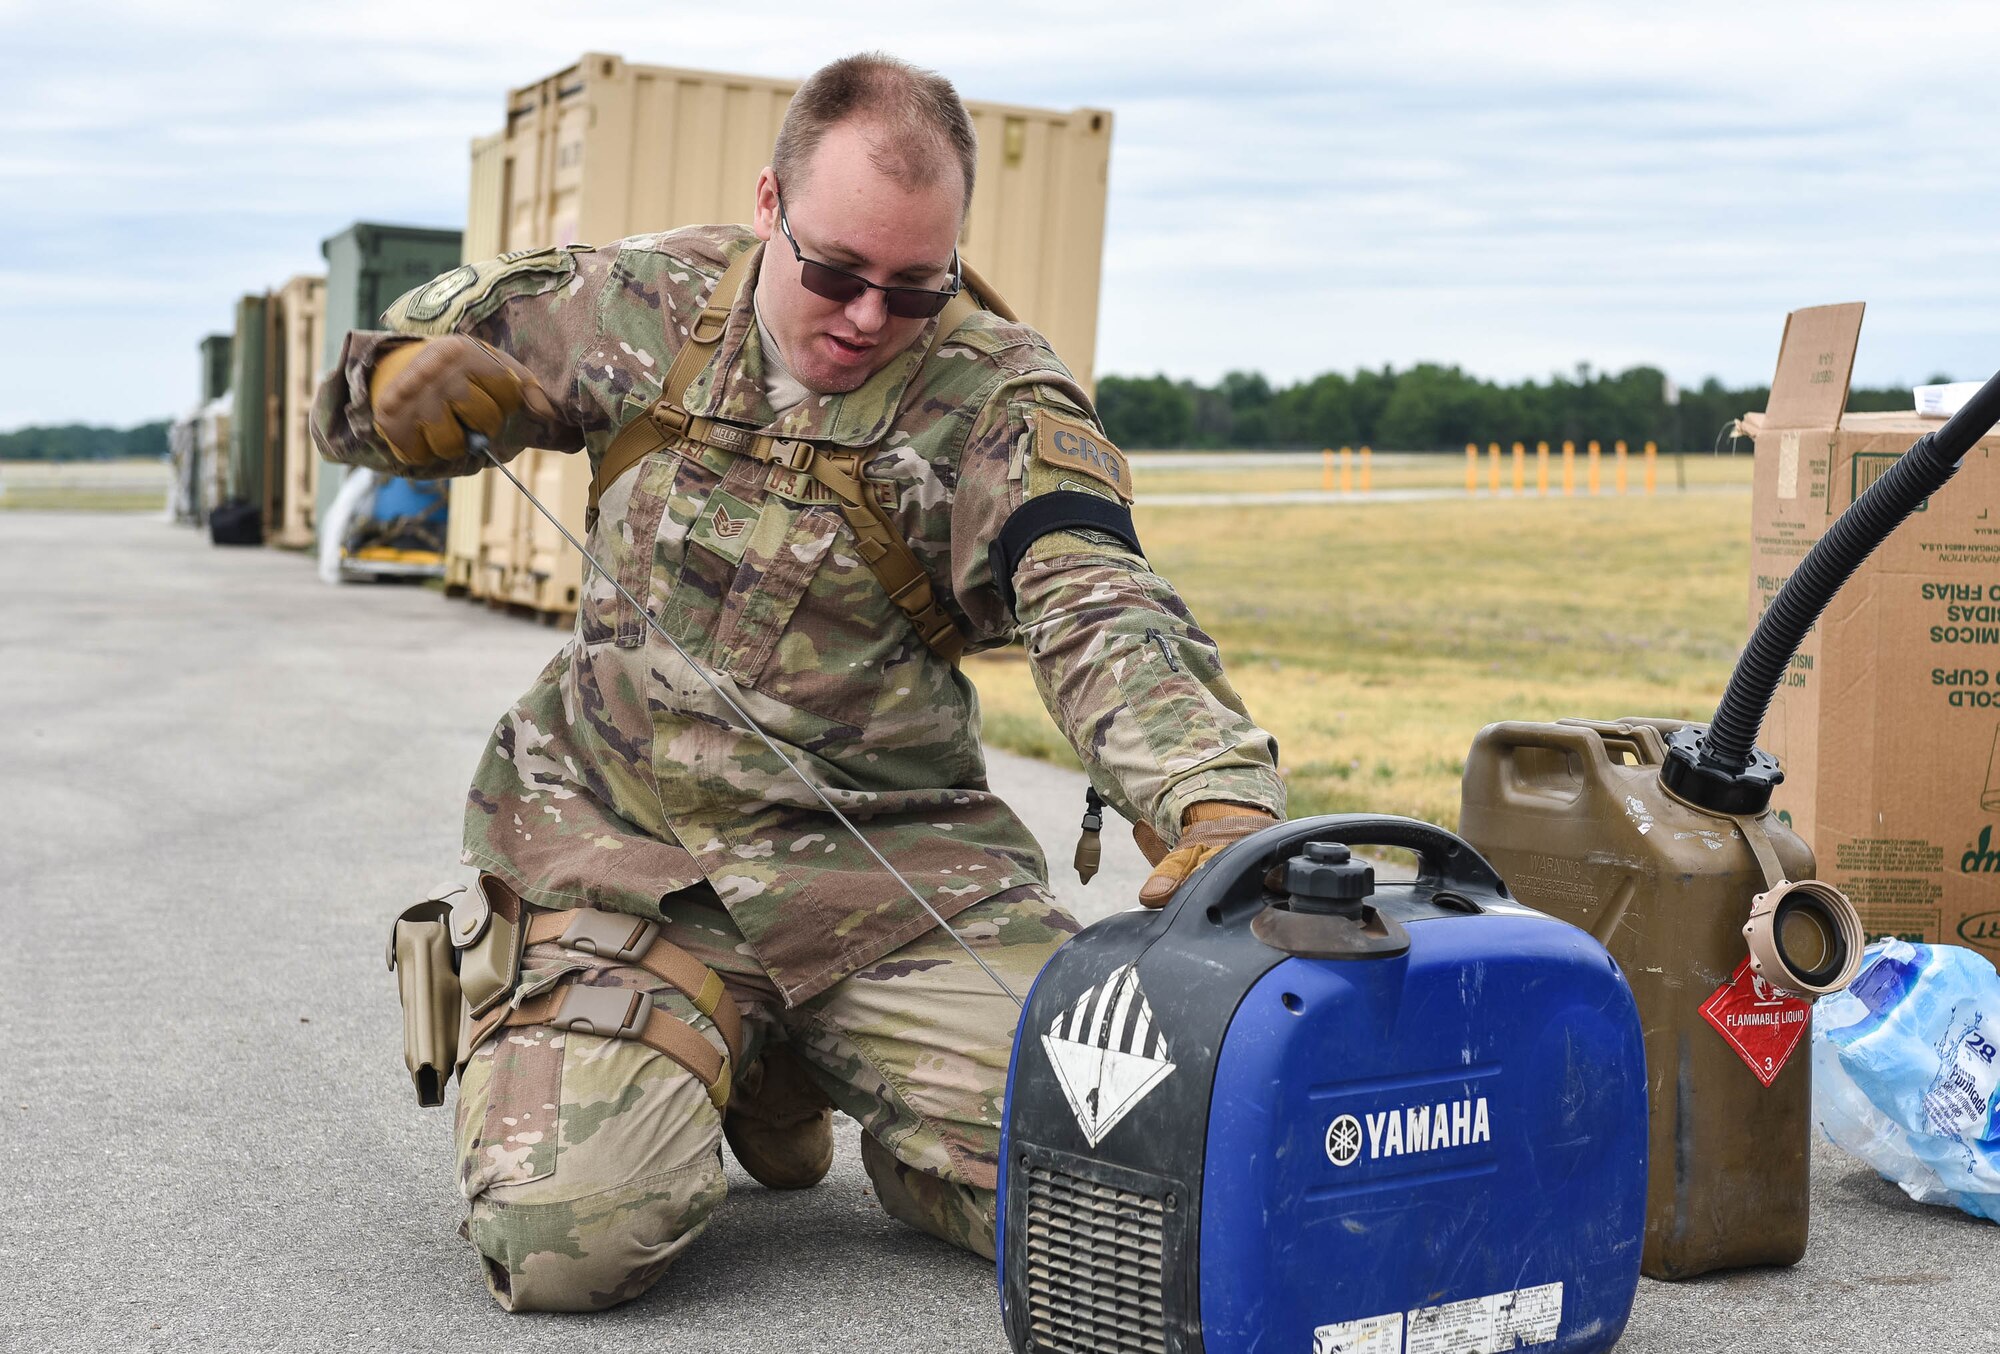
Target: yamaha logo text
1408,1128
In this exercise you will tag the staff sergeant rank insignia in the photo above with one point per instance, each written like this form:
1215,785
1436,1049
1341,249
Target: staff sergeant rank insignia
1081,449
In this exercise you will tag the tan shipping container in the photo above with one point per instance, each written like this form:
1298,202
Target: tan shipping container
605,149
466,569
301,304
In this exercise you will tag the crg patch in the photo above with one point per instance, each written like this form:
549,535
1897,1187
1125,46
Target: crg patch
1079,449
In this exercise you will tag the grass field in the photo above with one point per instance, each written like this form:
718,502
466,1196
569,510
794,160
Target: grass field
1374,640
83,486
1198,473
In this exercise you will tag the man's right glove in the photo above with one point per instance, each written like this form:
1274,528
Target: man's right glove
1208,828
427,393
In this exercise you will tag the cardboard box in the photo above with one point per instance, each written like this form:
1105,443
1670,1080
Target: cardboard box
1888,724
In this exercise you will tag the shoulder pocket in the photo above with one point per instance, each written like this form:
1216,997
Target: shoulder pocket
474,290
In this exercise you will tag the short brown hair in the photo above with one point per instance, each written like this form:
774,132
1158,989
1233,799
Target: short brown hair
919,114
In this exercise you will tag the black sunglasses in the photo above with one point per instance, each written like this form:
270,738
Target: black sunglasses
837,284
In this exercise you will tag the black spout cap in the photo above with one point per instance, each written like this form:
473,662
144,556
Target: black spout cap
1327,878
1691,775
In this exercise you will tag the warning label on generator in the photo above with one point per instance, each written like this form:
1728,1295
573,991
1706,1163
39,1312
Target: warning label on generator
1761,1022
1490,1325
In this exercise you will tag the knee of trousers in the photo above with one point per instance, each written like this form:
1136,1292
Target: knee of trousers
589,1165
963,1215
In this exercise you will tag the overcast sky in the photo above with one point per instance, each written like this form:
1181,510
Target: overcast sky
1515,188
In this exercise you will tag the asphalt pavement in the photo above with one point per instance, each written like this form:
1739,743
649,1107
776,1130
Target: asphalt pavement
223,778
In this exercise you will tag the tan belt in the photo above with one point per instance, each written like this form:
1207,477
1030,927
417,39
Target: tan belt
624,1012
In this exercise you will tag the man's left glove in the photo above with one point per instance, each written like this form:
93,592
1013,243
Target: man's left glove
426,394
1207,829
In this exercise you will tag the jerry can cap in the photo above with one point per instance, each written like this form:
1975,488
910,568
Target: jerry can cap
1693,778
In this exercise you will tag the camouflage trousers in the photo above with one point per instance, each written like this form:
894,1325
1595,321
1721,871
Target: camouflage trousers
590,1164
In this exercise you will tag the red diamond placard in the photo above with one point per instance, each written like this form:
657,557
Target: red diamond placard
1762,1023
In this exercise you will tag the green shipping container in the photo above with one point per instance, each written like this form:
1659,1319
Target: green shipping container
248,384
367,267
216,355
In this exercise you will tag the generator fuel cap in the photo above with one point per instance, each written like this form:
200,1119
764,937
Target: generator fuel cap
1324,911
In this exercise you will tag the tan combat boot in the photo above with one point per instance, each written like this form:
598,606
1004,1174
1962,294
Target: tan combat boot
779,1124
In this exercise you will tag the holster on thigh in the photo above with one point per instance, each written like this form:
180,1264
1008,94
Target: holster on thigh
421,955
457,957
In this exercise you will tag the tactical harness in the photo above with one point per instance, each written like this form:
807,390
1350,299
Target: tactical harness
667,426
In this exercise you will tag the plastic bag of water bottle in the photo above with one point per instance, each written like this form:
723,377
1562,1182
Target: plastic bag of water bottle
1906,1072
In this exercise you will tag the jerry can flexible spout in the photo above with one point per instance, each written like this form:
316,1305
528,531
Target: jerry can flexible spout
1721,769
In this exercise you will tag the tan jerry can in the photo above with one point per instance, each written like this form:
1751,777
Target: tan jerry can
1575,818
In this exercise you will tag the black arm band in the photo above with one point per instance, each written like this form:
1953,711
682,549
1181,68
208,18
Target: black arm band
1063,510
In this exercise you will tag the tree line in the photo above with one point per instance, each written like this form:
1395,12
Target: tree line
1427,407
1430,407
79,442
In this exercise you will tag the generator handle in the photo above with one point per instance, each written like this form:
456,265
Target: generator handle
1443,859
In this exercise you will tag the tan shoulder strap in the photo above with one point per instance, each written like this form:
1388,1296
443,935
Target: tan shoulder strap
988,297
646,434
885,552
882,547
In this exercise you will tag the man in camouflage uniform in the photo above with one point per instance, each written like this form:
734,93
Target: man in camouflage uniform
620,782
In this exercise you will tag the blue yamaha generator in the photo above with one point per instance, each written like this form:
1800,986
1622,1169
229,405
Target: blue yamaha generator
1298,1110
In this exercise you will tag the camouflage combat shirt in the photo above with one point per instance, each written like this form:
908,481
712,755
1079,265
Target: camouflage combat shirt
620,777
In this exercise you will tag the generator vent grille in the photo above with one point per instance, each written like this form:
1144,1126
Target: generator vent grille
1095,1267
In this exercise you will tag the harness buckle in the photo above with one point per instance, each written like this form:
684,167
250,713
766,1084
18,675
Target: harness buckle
608,1012
616,936
708,325
793,455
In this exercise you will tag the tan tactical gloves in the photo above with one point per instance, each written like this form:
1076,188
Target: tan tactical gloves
426,394
1207,829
